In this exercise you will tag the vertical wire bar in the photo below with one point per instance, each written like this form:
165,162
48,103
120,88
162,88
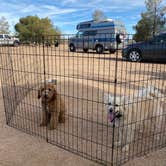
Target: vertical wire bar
73,118
69,98
97,105
44,72
92,112
102,116
14,84
155,106
115,90
40,54
2,74
108,91
147,142
28,70
132,99
64,93
145,79
162,115
77,102
22,88
138,89
120,91
82,94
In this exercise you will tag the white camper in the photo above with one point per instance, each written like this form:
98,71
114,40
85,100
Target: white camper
97,35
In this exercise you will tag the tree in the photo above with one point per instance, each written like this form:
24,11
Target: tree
152,21
33,27
4,25
98,15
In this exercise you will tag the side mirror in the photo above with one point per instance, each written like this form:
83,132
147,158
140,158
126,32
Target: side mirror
118,39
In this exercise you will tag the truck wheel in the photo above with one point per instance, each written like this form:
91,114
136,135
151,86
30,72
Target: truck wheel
16,43
99,49
72,48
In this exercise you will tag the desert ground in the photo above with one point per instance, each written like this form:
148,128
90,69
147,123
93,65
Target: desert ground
82,81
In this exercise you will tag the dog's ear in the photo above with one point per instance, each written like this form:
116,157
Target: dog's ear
40,92
108,98
55,94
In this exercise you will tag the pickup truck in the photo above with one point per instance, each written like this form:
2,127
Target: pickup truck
5,39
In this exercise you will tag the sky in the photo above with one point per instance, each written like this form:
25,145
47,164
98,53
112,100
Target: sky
66,14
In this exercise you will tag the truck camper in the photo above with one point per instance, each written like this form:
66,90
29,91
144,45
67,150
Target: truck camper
97,35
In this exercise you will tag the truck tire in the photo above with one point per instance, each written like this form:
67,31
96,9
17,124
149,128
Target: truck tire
99,49
16,44
72,48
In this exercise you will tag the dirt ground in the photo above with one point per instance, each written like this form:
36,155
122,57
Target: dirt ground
82,80
18,148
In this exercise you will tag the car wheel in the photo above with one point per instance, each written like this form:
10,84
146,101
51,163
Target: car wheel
85,49
99,49
72,48
15,44
134,55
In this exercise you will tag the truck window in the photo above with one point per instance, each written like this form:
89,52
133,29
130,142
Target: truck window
1,36
7,36
79,34
90,33
83,26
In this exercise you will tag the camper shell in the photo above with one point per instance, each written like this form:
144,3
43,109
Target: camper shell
97,35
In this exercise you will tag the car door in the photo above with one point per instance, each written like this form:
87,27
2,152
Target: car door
160,46
79,40
86,40
163,47
154,48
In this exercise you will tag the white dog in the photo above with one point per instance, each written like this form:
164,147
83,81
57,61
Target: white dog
127,115
149,93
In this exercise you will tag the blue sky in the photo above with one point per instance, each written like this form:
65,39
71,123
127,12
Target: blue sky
67,13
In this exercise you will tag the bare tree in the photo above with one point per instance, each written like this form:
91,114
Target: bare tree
98,15
155,13
4,25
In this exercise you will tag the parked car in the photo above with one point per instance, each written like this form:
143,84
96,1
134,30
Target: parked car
5,39
153,49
